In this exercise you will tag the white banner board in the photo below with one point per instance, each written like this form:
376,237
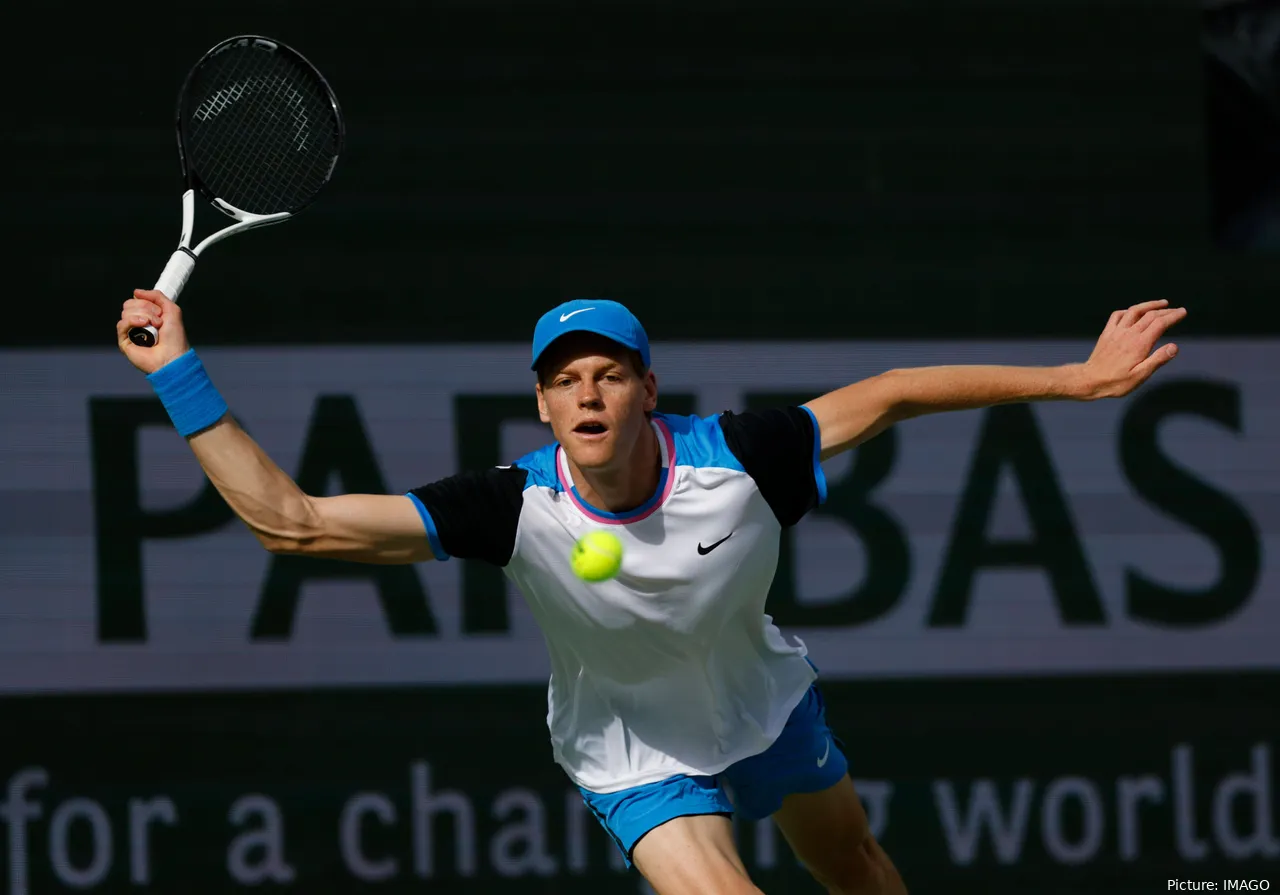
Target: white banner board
1134,535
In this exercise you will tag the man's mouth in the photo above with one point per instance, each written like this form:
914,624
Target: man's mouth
591,428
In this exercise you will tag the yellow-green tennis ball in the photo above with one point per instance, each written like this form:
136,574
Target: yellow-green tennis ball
597,556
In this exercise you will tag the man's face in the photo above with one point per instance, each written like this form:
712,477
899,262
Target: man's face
595,399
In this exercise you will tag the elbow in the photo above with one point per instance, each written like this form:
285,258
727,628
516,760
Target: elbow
299,542
299,533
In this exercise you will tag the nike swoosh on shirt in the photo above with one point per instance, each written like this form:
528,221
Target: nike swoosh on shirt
564,317
825,755
703,551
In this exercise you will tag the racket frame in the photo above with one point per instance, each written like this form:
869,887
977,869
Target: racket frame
173,279
183,260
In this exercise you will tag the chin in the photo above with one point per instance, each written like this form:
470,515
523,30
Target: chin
591,455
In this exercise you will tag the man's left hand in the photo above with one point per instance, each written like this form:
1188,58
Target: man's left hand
1124,358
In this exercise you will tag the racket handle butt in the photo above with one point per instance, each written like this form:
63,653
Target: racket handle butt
143,336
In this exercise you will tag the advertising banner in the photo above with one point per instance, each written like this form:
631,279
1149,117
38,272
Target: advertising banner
1060,786
1059,538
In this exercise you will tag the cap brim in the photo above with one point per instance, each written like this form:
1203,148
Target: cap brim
570,330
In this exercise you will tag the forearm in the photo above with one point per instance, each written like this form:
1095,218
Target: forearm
268,501
914,392
851,415
373,528
262,494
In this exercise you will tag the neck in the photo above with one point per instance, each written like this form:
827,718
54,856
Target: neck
629,484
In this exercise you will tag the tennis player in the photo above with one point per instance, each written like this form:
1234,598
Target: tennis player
674,702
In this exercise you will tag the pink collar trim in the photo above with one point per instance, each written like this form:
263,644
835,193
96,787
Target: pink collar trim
666,446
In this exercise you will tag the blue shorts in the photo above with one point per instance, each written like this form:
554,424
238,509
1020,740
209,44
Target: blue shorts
806,757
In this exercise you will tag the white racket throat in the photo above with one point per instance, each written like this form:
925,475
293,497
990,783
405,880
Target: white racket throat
178,270
173,279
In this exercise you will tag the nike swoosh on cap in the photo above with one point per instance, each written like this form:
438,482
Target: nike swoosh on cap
564,317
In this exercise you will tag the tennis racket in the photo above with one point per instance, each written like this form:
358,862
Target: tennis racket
259,134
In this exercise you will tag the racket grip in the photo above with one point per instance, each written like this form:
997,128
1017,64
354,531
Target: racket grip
171,282
176,273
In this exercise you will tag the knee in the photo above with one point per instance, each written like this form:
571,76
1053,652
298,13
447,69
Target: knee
862,869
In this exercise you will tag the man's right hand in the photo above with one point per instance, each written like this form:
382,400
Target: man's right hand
151,307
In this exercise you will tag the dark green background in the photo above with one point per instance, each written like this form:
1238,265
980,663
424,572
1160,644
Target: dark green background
910,169
849,169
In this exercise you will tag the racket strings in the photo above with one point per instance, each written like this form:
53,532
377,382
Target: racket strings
265,167
261,130
261,165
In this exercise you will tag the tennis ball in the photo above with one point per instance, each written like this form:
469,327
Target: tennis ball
597,556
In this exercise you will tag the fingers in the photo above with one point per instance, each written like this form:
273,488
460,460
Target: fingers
149,295
128,322
141,312
146,308
1158,359
1136,312
1158,322
157,298
148,302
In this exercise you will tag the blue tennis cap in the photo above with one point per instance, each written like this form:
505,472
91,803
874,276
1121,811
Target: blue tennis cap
602,317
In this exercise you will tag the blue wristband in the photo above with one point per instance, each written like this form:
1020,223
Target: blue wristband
188,394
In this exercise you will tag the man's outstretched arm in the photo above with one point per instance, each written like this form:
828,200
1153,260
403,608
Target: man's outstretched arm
1123,358
372,528
369,528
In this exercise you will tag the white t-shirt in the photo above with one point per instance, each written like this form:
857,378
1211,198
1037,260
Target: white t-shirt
672,667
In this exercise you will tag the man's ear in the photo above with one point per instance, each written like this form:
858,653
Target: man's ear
650,392
542,404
